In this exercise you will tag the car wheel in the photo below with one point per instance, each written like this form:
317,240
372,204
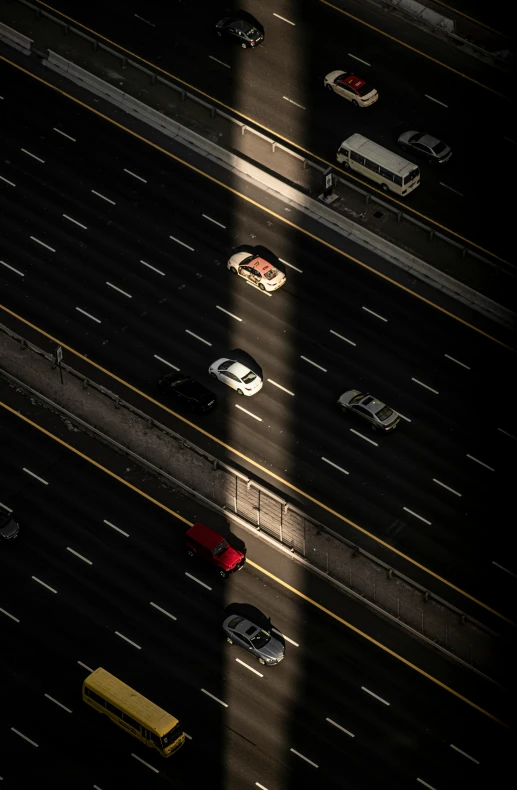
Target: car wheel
328,86
190,553
404,147
346,165
262,286
240,392
223,574
243,46
354,103
344,409
385,188
229,640
219,33
261,661
374,427
233,271
213,375
431,160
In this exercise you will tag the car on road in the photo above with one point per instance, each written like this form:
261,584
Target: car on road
236,375
241,27
370,409
351,87
425,145
247,263
257,641
187,392
206,543
9,527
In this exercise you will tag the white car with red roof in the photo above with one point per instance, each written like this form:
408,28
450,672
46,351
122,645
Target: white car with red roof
256,270
351,87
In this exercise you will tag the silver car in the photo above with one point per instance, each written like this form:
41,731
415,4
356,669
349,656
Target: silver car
260,643
369,408
425,145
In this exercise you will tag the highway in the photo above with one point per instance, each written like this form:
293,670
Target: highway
120,253
100,577
423,83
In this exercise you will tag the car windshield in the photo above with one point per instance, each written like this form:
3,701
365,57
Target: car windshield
225,365
270,274
385,413
365,89
171,736
249,377
222,546
252,32
357,398
439,147
260,639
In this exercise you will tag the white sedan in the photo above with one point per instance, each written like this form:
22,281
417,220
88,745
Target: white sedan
351,87
237,376
256,270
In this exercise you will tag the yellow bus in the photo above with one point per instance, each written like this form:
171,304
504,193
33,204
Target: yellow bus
133,712
391,171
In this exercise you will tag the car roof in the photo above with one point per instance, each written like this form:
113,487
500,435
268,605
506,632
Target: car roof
372,404
428,139
261,265
205,535
352,80
192,388
239,370
247,628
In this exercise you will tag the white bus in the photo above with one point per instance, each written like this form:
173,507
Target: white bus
391,171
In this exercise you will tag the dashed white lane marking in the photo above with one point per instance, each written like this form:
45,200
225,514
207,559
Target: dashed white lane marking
501,567
509,140
375,695
16,620
507,434
8,266
261,787
109,524
116,288
130,173
259,419
291,641
85,666
456,191
194,579
366,439
33,238
472,458
460,751
128,640
71,219
153,268
426,784
65,135
243,663
197,337
220,62
84,559
306,359
182,243
55,701
341,337
339,468
24,736
284,19
232,315
107,199
359,59
293,102
28,471
163,611
347,732
33,156
151,24
291,266
280,387
439,482
375,314
303,757
80,310
44,585
11,183
457,361
224,704
165,362
214,221
427,387
412,512
403,417
147,765
435,100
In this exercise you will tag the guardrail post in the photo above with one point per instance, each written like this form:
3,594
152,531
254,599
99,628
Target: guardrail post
273,147
86,383
153,79
117,403
305,164
399,216
464,252
95,46
66,29
24,345
124,63
212,112
431,235
183,95
243,129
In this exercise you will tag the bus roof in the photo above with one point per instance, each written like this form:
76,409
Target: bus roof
131,702
381,156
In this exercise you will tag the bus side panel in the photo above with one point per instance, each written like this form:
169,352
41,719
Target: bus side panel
116,720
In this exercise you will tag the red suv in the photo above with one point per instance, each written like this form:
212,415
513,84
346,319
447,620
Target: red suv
213,548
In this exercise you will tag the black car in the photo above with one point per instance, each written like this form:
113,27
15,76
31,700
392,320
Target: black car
187,392
9,528
241,27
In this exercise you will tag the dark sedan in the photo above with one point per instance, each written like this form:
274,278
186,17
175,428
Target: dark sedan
187,392
241,27
260,643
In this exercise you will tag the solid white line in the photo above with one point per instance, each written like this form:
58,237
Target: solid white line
304,758
124,293
456,192
128,640
214,221
228,313
182,243
79,555
147,765
340,728
43,584
403,417
12,268
313,363
417,516
284,19
36,476
501,567
164,611
109,524
464,754
359,59
75,221
65,135
153,268
42,243
98,320
33,156
480,462
197,580
435,100
457,361
165,362
130,173
280,387
447,487
197,337
250,668
335,465
23,736
216,699
259,419
108,200
375,314
290,265
90,669
363,437
16,619
293,102
507,434
58,703
219,61
425,385
431,787
374,695
291,641
342,338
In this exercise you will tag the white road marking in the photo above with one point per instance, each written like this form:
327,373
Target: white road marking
197,337
295,103
197,580
214,221
259,419
431,787
115,288
425,385
58,703
187,735
130,173
375,314
165,362
286,263
163,611
33,156
480,462
252,285
219,61
403,417
298,754
23,736
44,585
416,515
339,468
435,100
291,641
257,784
98,320
363,437
232,315
224,704
7,181
284,19
280,387
359,59
79,555
507,434
342,338
90,669
182,243
464,754
65,135
250,668
7,614
108,200
153,268
375,695
509,140
340,728
70,219
151,24
457,361
147,765
128,640
28,471
305,359
42,243
12,268
456,192
447,487
109,524
501,567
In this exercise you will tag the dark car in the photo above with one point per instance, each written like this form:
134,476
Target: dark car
187,392
9,528
258,641
425,145
241,27
205,542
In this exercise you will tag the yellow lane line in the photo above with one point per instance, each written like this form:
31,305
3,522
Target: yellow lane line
249,562
471,18
281,137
